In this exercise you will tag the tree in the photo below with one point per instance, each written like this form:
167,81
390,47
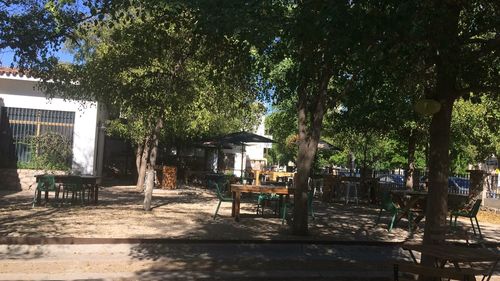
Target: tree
452,47
310,53
148,61
474,132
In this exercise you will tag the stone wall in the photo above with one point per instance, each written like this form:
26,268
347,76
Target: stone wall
21,179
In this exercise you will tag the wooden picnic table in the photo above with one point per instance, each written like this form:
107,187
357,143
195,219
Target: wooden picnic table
238,189
455,254
410,201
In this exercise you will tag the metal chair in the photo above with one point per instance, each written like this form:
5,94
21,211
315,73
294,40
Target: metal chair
310,210
472,213
220,195
389,206
264,199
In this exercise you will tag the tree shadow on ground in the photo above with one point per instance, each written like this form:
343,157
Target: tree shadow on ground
275,261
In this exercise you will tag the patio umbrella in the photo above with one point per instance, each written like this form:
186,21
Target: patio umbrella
243,138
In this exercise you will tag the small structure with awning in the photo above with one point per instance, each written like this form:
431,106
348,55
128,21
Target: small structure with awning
240,141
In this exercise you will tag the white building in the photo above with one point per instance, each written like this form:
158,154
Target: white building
253,154
30,113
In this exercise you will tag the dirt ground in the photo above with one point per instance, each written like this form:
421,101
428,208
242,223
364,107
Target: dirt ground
202,248
187,213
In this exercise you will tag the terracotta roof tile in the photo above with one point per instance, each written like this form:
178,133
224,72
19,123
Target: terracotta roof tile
14,72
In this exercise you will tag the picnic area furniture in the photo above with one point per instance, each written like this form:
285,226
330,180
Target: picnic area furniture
265,199
220,195
349,189
458,255
411,204
86,186
310,211
388,205
472,213
46,184
75,187
238,189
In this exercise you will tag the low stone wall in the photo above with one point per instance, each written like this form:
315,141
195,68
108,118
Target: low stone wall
21,179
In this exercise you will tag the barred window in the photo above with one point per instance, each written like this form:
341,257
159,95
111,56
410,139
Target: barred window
20,125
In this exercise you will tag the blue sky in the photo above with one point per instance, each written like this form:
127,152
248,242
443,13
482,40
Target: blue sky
7,55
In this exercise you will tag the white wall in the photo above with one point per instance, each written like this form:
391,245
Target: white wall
22,93
253,151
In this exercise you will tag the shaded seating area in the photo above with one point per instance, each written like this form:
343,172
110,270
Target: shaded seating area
67,189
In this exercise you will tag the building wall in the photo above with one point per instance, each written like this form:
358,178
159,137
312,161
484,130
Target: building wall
253,155
22,93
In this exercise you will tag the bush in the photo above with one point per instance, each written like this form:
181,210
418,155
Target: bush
51,151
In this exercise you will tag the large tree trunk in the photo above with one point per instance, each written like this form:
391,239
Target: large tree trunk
148,193
410,169
142,165
445,93
308,144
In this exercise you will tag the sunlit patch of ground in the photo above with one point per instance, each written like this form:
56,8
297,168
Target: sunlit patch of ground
489,217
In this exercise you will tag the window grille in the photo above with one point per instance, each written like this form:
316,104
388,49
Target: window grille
24,123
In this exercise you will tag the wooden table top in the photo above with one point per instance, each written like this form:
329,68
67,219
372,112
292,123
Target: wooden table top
261,189
58,178
455,253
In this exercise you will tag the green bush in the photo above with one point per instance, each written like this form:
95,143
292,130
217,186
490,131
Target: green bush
51,151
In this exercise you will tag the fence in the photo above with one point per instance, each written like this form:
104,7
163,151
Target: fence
24,123
457,183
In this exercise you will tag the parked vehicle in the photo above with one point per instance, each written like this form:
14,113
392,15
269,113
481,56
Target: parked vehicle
391,181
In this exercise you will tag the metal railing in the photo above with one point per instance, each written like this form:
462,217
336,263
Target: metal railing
25,123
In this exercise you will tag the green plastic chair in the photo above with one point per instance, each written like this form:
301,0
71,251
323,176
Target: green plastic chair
220,195
263,198
46,184
389,206
75,187
472,213
310,210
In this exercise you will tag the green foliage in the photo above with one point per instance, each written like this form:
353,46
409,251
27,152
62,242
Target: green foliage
475,134
149,62
50,151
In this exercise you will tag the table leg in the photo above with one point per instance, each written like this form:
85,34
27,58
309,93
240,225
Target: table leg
233,206
490,271
96,193
38,197
280,205
237,201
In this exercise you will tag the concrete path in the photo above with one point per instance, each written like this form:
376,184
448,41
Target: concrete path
195,261
199,261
